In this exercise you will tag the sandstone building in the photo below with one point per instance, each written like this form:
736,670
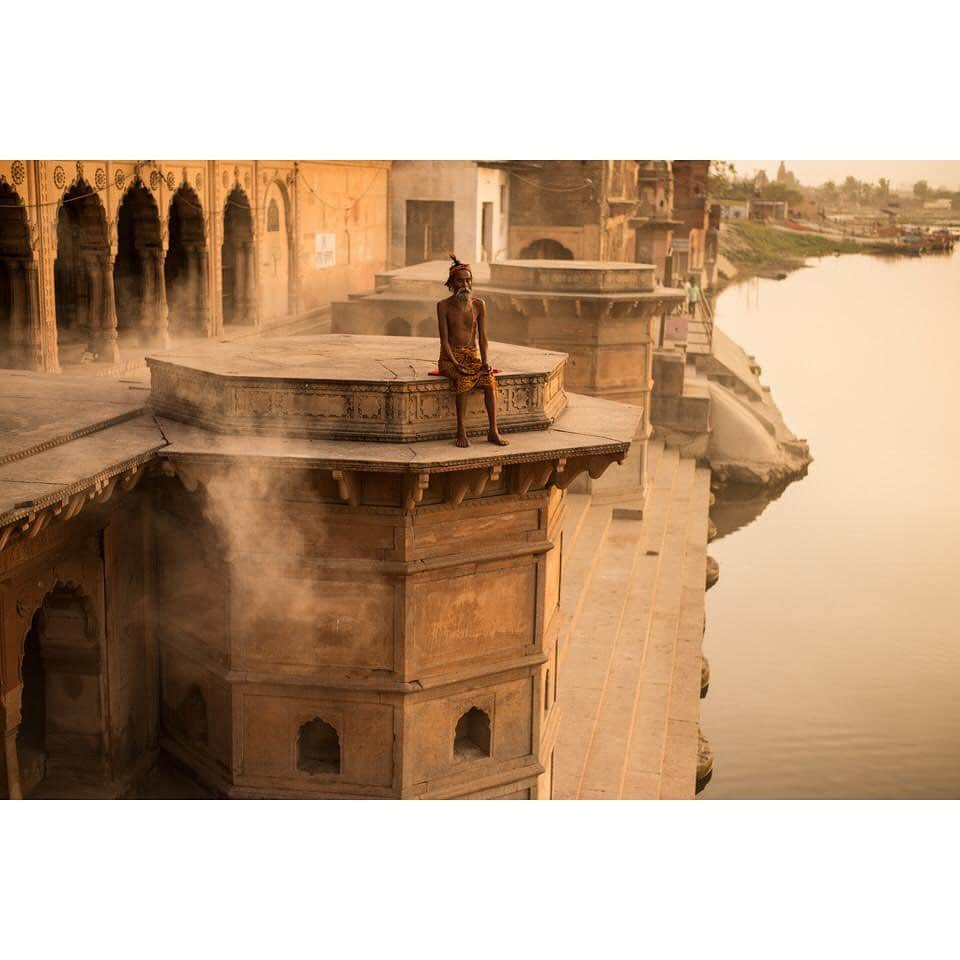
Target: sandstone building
275,568
103,260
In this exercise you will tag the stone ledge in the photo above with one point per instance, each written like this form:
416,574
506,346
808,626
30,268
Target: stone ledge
343,387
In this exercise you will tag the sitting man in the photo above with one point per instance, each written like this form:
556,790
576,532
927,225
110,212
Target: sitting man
463,321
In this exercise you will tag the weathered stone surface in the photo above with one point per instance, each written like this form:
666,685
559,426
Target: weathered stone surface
347,388
572,276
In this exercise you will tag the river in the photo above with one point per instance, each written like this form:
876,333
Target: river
833,634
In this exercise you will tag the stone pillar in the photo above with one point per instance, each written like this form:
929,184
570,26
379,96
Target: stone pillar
239,286
9,725
148,307
250,278
33,326
205,322
14,268
109,350
163,315
94,302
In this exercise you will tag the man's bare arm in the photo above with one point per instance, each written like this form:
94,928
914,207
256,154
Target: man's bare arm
482,331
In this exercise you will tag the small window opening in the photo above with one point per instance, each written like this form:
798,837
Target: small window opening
472,738
546,692
318,748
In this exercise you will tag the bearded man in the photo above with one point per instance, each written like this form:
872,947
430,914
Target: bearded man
463,349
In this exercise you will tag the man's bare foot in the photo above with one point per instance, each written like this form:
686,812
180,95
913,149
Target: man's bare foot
462,440
494,437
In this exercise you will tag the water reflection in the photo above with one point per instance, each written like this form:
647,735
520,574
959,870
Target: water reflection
833,633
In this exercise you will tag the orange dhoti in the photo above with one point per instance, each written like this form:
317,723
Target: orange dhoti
475,376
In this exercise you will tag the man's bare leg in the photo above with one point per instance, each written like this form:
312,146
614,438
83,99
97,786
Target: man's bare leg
460,400
490,402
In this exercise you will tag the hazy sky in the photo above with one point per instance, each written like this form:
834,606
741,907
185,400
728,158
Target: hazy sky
900,173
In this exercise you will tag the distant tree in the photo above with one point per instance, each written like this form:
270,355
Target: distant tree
829,193
851,189
720,178
883,191
920,190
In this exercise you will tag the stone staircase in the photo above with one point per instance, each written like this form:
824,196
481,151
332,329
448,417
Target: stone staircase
630,646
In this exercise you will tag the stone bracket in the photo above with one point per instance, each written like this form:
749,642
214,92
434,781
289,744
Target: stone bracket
595,466
347,486
414,487
470,481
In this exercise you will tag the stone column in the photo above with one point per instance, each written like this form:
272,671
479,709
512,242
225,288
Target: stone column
163,313
94,301
14,268
33,329
250,278
239,286
205,322
10,724
148,307
109,350
194,287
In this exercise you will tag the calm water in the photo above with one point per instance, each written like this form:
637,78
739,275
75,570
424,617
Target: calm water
834,632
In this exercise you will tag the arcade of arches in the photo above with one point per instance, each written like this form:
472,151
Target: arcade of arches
104,261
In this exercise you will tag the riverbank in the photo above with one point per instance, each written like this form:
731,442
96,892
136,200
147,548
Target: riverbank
761,250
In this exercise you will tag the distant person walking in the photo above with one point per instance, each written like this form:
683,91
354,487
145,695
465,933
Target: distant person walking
693,295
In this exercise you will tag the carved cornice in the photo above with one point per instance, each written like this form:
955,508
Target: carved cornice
25,523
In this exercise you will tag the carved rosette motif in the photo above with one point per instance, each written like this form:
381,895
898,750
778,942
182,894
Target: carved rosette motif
172,180
119,178
59,177
199,181
18,172
100,178
154,179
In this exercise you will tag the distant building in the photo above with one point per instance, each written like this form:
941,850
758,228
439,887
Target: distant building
573,209
734,209
439,207
769,210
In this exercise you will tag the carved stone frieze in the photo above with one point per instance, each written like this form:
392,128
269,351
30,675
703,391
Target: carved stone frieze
340,407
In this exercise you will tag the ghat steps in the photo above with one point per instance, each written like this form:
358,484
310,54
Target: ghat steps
630,648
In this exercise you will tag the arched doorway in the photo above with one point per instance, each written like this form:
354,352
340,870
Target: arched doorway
17,283
138,273
237,259
83,279
186,266
59,740
546,249
275,255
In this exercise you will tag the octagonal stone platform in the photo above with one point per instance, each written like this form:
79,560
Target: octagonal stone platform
345,387
573,276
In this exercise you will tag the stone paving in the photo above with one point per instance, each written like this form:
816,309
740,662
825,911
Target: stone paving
630,654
